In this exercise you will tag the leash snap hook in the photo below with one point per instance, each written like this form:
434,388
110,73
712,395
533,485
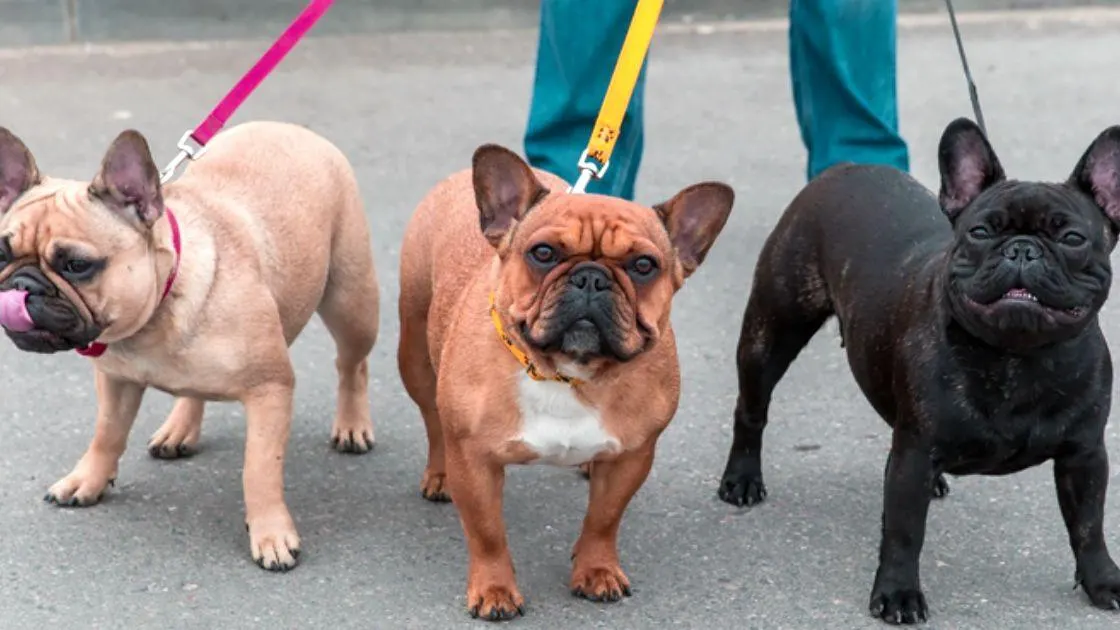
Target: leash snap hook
588,168
189,148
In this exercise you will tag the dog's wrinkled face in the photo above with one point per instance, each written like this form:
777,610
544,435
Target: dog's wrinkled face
1030,262
77,260
589,279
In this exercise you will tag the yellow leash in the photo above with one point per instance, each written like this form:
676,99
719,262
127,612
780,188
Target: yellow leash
597,156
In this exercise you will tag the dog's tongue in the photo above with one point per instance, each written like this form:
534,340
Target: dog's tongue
13,311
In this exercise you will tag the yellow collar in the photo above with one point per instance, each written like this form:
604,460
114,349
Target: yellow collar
521,357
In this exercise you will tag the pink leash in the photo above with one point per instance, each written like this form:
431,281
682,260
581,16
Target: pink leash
217,119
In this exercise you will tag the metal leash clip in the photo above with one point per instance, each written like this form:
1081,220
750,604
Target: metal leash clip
588,168
189,148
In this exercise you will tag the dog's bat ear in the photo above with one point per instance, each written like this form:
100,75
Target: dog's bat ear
17,169
968,166
694,217
504,189
129,180
1097,174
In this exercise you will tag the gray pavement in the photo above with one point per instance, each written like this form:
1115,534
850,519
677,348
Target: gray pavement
167,548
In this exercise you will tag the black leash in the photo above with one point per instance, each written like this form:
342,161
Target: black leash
967,75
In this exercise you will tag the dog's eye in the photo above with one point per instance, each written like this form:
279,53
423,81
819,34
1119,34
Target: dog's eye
1073,239
78,268
980,232
643,266
543,254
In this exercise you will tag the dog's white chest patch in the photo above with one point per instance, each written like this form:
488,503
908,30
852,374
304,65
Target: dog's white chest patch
560,428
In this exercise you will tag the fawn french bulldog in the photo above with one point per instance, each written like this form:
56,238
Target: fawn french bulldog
196,288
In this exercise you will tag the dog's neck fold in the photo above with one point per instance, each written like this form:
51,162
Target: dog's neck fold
96,348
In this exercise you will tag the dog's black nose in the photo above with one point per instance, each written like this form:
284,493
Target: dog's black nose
1022,249
590,278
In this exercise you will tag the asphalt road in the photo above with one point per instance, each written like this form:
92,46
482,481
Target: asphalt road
167,548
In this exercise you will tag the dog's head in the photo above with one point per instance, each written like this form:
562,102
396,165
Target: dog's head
78,261
588,280
1029,266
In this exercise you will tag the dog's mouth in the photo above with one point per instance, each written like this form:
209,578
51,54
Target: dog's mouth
1022,298
43,324
42,341
1019,294
581,343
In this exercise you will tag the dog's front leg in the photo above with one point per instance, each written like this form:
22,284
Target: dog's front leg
596,573
476,482
897,594
1082,481
118,402
273,539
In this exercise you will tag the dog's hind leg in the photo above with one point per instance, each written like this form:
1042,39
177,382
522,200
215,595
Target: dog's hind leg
419,378
786,308
178,437
350,309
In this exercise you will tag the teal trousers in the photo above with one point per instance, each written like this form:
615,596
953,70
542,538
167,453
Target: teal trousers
842,72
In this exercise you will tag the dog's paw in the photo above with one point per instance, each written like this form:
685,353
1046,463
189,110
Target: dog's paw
1104,589
495,602
354,437
433,487
1105,596
899,606
940,487
81,488
742,490
170,450
273,542
178,436
600,583
169,442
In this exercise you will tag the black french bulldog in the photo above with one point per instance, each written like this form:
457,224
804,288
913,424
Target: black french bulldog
976,338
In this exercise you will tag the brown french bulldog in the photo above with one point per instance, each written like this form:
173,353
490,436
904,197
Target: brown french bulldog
197,289
535,329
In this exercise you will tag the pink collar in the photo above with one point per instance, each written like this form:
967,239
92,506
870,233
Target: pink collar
97,349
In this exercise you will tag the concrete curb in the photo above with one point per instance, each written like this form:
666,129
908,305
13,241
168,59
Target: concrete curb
44,22
1095,16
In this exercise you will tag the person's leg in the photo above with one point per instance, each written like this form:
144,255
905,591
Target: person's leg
578,47
842,70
